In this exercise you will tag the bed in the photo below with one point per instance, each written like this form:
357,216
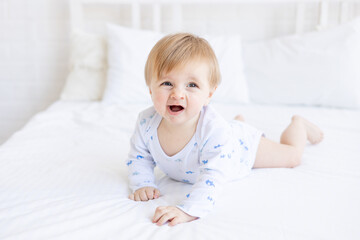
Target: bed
64,176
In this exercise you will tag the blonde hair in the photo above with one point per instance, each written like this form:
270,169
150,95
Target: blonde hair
175,50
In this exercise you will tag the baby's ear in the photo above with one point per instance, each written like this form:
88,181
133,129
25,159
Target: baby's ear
211,93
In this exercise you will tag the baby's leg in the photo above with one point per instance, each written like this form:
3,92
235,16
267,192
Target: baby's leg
289,151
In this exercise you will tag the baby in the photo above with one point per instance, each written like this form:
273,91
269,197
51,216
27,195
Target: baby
188,140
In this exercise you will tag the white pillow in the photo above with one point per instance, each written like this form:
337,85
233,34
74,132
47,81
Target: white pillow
87,77
127,53
318,68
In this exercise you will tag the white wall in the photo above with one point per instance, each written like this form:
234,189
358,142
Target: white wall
34,43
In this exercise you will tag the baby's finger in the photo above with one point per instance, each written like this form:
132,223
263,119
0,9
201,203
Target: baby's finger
166,217
137,197
176,220
149,193
131,196
156,193
158,213
143,196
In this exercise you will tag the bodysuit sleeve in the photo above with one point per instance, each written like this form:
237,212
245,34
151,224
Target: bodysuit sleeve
215,163
140,162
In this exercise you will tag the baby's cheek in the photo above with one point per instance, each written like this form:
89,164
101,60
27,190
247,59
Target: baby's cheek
159,97
159,104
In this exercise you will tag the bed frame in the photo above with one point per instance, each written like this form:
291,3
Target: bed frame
344,11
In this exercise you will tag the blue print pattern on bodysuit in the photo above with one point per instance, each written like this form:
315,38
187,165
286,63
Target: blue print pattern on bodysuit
210,183
211,200
242,144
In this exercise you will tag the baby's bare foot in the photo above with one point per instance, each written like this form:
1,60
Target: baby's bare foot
239,118
314,133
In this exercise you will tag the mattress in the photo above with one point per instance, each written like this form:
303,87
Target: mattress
63,176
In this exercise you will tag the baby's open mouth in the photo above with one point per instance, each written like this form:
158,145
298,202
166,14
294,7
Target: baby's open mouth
176,108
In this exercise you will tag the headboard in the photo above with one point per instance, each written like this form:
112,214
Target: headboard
298,61
254,19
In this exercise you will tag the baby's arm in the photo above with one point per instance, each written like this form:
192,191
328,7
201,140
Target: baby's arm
200,201
145,194
141,167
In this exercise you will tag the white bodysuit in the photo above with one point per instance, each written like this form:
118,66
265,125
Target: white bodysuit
219,151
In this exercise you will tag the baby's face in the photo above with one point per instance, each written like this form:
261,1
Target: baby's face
179,95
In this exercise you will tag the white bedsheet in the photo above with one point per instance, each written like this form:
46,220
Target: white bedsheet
63,176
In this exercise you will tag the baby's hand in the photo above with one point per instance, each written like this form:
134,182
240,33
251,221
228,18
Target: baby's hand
173,214
145,194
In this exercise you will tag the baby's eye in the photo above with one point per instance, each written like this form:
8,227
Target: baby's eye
166,84
192,85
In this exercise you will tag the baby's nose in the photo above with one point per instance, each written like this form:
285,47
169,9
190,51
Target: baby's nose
177,94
